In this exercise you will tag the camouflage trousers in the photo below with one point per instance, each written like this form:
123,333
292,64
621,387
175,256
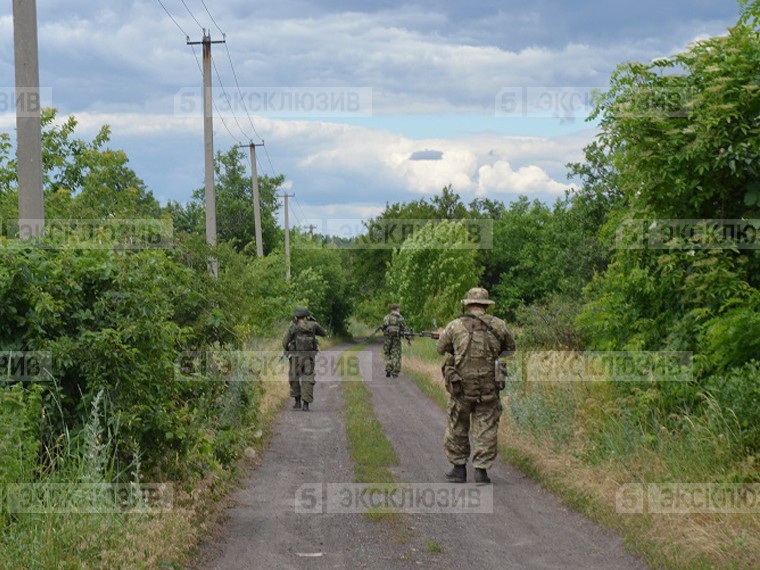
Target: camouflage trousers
478,421
392,354
301,377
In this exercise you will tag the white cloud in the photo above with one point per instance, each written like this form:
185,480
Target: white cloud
122,64
499,177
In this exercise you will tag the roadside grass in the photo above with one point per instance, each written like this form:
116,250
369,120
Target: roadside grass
421,363
578,440
358,329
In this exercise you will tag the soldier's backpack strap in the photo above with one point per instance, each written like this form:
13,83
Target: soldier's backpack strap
470,330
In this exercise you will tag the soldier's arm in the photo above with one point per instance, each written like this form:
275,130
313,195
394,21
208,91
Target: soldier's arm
508,341
287,338
445,343
319,331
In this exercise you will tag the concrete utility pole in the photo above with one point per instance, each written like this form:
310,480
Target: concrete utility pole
208,135
31,204
256,201
287,236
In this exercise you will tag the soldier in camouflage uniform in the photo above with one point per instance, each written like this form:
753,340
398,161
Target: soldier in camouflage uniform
393,328
300,344
472,345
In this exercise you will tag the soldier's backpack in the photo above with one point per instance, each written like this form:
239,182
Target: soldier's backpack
479,330
305,340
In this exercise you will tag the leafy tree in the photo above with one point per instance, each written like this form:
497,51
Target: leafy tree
369,266
234,205
85,180
322,281
681,137
432,271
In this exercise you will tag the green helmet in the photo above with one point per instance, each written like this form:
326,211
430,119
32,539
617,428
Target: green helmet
301,312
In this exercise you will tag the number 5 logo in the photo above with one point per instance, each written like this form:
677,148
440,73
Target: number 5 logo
309,499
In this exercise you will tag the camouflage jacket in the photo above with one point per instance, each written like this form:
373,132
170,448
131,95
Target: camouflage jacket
472,344
393,325
301,336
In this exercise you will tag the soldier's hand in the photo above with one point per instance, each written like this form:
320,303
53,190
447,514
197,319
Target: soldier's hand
500,385
456,388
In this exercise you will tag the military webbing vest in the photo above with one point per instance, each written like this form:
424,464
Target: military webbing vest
305,340
476,348
392,325
479,351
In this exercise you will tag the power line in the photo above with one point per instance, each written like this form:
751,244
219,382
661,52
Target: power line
192,15
216,108
212,18
298,204
226,95
292,211
234,72
173,20
240,91
237,84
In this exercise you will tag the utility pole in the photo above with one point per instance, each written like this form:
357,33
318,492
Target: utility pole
208,135
287,236
311,228
256,200
31,204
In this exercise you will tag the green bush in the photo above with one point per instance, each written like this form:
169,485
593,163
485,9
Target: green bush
738,390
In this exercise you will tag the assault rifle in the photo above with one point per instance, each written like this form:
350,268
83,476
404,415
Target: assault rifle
434,334
422,334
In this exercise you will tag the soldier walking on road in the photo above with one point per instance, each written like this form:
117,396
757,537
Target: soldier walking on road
300,344
472,345
393,328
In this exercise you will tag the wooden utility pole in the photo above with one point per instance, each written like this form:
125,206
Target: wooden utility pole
287,236
31,204
208,135
256,201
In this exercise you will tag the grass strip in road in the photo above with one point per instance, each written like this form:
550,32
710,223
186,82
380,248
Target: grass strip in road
368,445
370,448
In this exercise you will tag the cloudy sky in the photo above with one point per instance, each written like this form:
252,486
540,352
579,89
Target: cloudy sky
359,102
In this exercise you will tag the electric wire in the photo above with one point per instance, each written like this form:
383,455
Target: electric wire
184,33
192,15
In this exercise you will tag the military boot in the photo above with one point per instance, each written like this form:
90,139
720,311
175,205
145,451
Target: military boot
306,406
458,474
297,405
481,476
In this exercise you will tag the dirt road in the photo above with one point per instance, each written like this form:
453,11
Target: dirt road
528,528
